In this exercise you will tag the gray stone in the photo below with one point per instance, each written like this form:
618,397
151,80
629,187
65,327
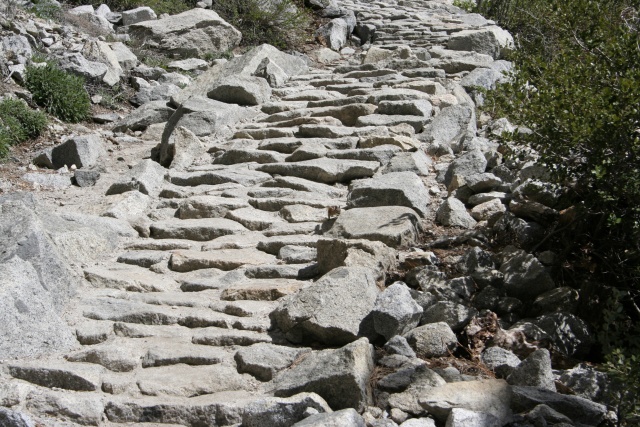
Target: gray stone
195,229
569,333
343,418
453,213
139,14
68,376
272,73
394,226
470,163
182,149
432,340
150,113
391,189
264,361
82,151
395,312
419,422
327,171
334,310
487,396
485,78
492,41
450,126
534,371
340,376
500,361
9,418
76,63
334,253
457,316
16,48
576,408
84,408
133,204
127,59
334,34
525,277
586,382
418,107
399,345
47,180
86,178
242,90
146,177
460,417
161,92
188,34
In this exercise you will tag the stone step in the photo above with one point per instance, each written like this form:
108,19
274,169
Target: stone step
261,290
227,337
202,229
223,259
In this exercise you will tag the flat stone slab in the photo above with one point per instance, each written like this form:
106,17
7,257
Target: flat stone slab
327,171
163,354
263,360
391,189
208,207
195,229
66,375
394,226
189,381
223,259
225,337
128,278
261,290
244,177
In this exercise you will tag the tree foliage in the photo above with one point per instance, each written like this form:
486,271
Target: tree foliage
576,86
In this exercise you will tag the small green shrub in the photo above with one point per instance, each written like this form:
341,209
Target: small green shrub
58,92
18,123
281,23
46,9
468,5
159,6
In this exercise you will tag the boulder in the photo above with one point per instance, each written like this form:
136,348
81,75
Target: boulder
334,310
340,376
394,226
395,312
242,90
453,213
9,418
139,14
432,340
486,396
450,126
460,417
500,361
525,277
264,360
76,63
391,189
100,51
569,333
534,371
146,177
576,408
188,34
83,151
334,34
492,41
141,118
334,253
327,171
182,149
457,316
342,418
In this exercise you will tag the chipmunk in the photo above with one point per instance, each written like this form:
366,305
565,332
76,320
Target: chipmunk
333,211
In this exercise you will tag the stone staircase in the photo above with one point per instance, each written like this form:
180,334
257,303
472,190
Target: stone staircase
176,328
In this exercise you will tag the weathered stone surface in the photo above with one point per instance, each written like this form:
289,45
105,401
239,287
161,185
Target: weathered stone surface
141,118
261,290
242,90
341,418
128,278
534,371
208,207
82,151
489,396
460,417
11,418
569,333
334,253
492,41
139,14
525,277
195,229
68,376
146,177
327,171
395,312
223,259
576,408
340,376
500,360
391,189
334,34
188,34
334,310
264,361
83,408
393,225
455,315
453,213
432,340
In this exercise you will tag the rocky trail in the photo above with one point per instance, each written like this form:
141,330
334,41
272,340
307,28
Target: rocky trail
309,247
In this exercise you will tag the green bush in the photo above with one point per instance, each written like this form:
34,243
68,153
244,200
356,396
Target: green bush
159,6
46,9
576,85
18,123
58,92
281,23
